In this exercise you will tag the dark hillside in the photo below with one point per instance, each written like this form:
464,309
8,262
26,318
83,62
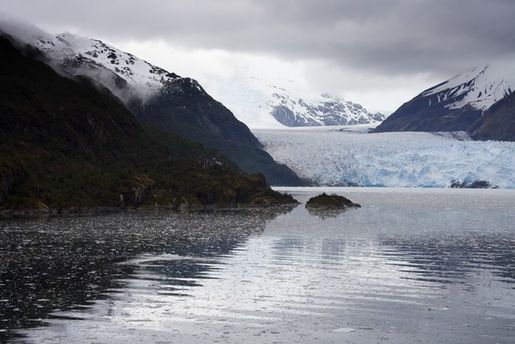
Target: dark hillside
68,143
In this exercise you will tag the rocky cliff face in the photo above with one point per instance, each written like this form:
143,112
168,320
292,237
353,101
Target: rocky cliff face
498,123
325,113
327,110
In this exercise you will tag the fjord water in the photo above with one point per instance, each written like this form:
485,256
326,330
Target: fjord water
410,266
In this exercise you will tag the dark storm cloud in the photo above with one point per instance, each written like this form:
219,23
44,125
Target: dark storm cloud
387,36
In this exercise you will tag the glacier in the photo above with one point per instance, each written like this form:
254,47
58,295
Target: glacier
336,156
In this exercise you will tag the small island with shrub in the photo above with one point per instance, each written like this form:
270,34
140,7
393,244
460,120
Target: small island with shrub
330,202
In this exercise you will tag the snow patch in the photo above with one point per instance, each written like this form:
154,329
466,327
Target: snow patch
479,87
142,76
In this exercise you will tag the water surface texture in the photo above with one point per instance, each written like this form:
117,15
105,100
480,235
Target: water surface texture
410,266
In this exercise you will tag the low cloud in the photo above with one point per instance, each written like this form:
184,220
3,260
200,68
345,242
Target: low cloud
399,38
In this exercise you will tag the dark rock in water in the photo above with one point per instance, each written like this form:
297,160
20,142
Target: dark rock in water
476,184
325,201
326,206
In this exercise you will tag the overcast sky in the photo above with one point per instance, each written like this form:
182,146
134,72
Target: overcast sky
377,52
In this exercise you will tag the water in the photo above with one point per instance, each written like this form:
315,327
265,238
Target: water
410,266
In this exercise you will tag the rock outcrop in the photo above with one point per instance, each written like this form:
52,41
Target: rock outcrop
330,202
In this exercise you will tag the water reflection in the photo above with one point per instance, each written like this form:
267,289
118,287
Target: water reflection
380,274
66,263
453,258
326,213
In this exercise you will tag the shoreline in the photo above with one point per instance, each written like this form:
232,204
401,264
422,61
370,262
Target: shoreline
46,213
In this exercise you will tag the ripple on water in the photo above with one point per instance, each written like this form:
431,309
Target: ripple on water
239,277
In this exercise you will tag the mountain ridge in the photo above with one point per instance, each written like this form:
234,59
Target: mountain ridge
458,104
278,103
143,88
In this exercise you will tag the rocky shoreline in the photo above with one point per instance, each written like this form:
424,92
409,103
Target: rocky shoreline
45,212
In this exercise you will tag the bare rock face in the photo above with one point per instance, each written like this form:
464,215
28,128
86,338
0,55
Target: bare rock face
330,202
498,123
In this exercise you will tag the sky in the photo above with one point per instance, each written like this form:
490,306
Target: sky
379,53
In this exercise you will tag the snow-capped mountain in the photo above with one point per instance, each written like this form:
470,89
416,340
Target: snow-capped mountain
254,101
75,52
457,104
266,103
78,55
163,100
477,87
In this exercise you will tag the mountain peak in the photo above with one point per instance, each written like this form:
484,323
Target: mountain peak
479,87
462,103
138,73
279,103
156,97
71,50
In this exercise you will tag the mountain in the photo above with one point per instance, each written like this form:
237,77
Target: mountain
69,143
261,103
175,104
454,105
498,123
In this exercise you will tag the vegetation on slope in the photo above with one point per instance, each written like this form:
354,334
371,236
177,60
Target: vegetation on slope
182,107
69,143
